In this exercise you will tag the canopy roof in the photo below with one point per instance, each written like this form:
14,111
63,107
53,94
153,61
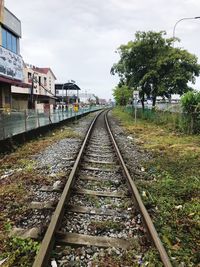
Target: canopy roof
66,86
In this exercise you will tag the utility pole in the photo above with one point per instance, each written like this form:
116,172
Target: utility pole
31,96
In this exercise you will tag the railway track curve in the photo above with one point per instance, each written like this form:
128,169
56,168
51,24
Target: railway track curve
99,195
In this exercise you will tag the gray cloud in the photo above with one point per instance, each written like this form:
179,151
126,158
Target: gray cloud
77,38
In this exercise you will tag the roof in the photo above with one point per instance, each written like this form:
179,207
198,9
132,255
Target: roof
14,82
40,70
44,70
66,86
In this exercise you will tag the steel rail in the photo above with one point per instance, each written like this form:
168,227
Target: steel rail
147,219
43,255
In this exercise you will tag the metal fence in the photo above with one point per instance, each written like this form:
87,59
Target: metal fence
181,121
15,122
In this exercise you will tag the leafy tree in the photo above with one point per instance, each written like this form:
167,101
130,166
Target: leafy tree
152,64
122,94
191,102
96,99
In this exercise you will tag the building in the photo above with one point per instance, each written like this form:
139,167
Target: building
40,90
86,98
11,63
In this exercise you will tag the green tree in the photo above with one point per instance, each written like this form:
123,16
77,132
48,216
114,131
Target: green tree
122,94
151,63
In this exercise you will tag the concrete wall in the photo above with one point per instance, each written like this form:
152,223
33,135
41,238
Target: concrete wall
5,98
19,102
12,23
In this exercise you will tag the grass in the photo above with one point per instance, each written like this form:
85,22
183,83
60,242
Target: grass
172,191
21,252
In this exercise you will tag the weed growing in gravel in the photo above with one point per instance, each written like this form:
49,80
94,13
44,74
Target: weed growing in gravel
20,252
27,165
93,200
101,226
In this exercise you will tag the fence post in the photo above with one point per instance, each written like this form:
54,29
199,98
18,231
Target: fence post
50,116
25,120
3,128
38,119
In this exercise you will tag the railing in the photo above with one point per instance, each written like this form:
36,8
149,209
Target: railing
15,122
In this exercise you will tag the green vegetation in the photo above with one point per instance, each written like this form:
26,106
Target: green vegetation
101,226
170,189
191,104
175,121
21,252
122,95
153,66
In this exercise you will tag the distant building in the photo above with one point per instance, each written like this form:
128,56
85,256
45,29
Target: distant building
86,98
40,90
103,101
11,63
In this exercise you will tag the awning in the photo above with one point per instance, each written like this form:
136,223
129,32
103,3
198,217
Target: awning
66,86
14,82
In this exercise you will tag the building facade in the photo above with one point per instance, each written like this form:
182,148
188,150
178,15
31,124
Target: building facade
39,92
11,63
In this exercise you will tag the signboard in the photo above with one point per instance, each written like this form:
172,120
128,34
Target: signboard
11,65
135,94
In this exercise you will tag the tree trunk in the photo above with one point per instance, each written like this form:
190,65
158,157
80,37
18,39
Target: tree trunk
154,101
142,101
192,124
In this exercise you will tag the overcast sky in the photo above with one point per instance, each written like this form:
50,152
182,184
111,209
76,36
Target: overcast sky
77,39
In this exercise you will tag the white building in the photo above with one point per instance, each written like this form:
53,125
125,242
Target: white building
40,90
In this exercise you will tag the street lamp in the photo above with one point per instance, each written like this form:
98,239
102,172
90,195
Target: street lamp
180,21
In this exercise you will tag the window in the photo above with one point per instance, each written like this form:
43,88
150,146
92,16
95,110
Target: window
29,75
9,41
14,44
45,81
4,38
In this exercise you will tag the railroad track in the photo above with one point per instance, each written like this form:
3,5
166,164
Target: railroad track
100,208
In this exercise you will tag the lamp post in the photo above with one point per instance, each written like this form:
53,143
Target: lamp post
174,29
